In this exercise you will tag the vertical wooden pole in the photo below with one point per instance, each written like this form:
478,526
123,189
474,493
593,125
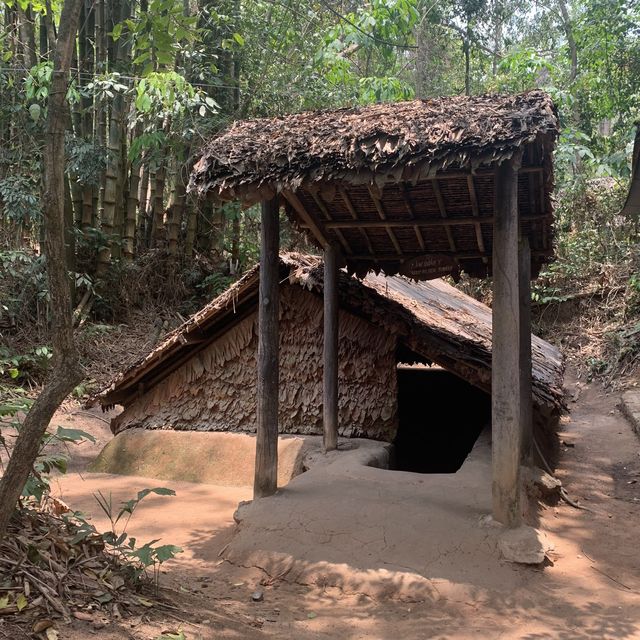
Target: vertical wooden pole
505,367
526,393
266,471
330,351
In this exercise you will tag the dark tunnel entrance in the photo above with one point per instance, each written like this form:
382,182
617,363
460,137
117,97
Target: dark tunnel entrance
440,419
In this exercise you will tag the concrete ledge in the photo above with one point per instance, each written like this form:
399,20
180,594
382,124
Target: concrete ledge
630,407
225,459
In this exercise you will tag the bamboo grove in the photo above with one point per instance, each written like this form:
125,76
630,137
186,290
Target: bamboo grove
152,79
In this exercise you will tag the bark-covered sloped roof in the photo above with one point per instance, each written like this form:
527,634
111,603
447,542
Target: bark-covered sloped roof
432,319
632,205
377,143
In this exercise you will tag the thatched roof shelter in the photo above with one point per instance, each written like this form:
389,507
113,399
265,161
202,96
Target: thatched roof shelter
390,182
425,188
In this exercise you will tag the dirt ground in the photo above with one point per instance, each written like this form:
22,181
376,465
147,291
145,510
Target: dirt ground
590,589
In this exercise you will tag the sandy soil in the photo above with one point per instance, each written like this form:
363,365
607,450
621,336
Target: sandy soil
591,589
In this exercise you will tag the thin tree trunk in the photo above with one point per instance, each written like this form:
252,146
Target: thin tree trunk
28,37
235,243
203,226
86,66
571,42
70,187
158,235
113,216
497,35
218,223
100,103
129,235
66,371
143,189
44,39
175,211
467,61
151,203
192,226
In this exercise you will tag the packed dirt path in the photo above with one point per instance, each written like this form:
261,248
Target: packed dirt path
591,589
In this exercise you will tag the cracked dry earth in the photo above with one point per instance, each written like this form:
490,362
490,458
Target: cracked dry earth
591,589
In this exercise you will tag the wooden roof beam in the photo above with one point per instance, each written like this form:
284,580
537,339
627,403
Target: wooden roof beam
476,212
459,255
411,212
380,209
325,212
308,221
443,214
354,215
425,222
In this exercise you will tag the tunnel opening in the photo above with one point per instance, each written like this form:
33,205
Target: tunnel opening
440,417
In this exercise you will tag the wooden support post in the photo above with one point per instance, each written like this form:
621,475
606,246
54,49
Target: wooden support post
330,351
266,471
526,393
505,364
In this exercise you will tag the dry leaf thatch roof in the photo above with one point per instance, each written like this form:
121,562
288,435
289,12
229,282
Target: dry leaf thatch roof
254,159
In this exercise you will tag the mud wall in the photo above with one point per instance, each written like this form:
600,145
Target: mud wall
215,390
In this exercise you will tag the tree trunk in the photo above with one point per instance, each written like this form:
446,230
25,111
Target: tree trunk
192,226
497,35
143,188
467,61
158,235
86,67
100,103
175,210
151,203
113,202
571,42
235,242
218,223
66,371
28,38
129,235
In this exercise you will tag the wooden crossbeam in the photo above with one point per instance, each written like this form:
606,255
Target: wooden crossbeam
411,212
459,255
443,213
455,174
428,222
309,223
354,215
380,209
476,212
325,212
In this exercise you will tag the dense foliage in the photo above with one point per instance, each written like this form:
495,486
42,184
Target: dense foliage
152,79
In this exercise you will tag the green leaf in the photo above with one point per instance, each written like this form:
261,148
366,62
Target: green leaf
13,373
35,110
11,408
73,435
172,636
4,602
117,31
21,601
167,552
161,491
144,554
239,39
